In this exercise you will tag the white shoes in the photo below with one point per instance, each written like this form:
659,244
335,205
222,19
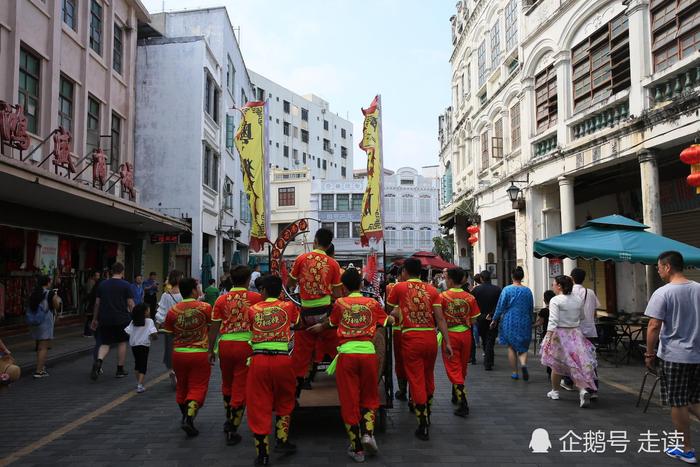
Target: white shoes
370,445
585,398
554,395
140,388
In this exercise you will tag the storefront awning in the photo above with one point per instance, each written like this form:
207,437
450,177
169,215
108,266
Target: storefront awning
614,238
22,184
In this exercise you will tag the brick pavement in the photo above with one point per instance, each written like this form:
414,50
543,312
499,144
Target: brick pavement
144,429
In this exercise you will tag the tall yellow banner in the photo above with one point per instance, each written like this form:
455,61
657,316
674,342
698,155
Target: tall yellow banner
372,222
250,142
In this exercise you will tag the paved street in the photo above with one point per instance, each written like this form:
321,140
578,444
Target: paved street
53,422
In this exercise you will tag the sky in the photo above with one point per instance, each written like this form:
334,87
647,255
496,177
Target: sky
347,51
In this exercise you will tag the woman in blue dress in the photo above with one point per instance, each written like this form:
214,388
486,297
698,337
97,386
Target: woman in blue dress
514,316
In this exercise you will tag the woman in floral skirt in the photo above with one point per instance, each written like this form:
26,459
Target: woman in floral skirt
565,349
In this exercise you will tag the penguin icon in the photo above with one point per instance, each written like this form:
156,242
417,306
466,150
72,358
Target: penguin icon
540,443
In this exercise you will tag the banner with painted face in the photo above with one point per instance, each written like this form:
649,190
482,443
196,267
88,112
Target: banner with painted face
372,221
250,142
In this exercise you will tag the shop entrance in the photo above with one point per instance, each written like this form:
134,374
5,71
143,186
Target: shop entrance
507,249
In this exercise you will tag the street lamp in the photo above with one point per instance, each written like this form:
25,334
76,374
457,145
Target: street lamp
515,194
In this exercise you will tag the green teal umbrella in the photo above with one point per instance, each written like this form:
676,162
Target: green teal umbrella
615,238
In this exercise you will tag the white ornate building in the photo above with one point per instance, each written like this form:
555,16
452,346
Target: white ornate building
582,105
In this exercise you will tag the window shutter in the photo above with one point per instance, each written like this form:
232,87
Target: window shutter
229,132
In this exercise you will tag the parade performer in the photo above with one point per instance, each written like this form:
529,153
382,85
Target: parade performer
189,322
230,317
418,310
402,393
356,319
271,384
318,276
460,310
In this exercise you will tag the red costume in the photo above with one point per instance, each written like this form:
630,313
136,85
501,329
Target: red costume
459,308
357,318
317,274
271,382
232,311
415,301
189,322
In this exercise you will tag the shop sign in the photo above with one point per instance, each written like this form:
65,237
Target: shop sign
183,249
48,252
164,238
556,267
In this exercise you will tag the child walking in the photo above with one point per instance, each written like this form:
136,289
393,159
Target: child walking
141,331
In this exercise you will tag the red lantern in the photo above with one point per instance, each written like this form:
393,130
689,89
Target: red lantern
473,230
472,240
691,155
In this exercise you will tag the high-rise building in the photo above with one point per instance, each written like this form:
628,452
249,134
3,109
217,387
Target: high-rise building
189,82
303,132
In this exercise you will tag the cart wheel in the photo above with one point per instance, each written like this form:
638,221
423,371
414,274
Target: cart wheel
381,420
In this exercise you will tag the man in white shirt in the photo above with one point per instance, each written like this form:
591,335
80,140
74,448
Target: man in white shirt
587,326
253,277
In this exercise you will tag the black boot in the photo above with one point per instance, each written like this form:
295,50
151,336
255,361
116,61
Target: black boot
300,385
188,424
183,411
463,409
312,373
422,416
402,393
232,436
369,444
354,436
455,401
262,450
429,407
227,406
282,444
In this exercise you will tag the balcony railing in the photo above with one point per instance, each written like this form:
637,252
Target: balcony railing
606,118
545,146
675,85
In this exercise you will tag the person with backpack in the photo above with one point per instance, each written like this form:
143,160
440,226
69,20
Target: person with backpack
171,296
41,317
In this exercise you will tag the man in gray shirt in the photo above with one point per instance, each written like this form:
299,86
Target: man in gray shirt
674,310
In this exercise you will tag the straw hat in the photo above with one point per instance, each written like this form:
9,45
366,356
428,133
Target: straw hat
8,366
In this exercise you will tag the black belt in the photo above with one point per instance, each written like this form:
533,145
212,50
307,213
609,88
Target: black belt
271,352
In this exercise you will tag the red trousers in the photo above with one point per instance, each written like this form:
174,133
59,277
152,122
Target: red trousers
419,350
233,360
271,387
398,355
305,343
192,370
456,368
357,381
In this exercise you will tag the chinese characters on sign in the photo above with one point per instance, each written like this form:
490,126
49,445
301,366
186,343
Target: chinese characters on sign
61,150
13,126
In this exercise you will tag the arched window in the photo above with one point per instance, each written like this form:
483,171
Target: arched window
407,236
425,238
407,207
390,234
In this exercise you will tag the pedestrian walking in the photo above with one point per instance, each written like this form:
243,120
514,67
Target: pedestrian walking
211,293
255,275
542,322
461,310
565,349
137,289
486,295
230,321
513,316
189,324
590,304
90,291
318,277
150,293
416,306
141,331
674,312
112,314
356,319
271,376
169,298
44,304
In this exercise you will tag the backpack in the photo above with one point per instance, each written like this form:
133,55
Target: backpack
37,316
